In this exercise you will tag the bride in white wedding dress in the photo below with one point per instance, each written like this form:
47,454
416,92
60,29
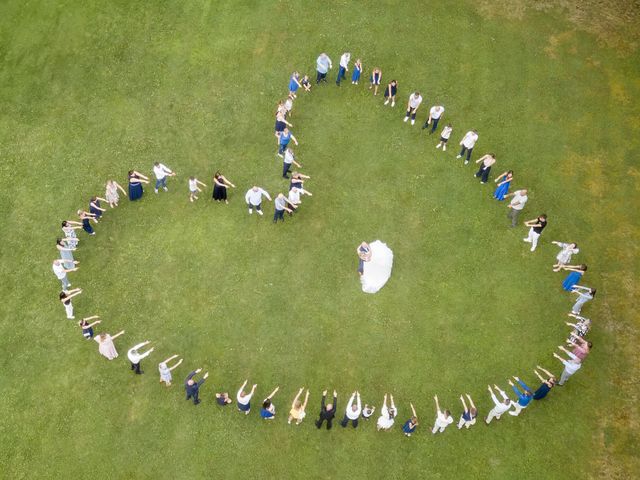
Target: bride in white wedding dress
376,261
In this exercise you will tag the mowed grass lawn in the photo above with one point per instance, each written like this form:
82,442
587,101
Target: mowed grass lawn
90,90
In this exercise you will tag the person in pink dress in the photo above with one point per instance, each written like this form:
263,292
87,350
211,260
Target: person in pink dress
106,346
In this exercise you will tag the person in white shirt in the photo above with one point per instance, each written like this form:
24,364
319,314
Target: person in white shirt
253,197
344,66
162,172
135,356
468,417
243,399
194,188
368,411
468,142
65,298
444,137
571,366
486,162
415,99
387,414
566,252
353,410
294,196
516,205
435,114
500,407
61,272
443,418
584,295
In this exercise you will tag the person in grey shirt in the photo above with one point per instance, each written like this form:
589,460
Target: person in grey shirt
323,65
280,204
516,205
584,295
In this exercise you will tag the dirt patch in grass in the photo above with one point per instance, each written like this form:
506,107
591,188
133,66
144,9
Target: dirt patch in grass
613,22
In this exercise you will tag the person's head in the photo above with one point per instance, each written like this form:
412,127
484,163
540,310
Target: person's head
294,189
192,178
295,74
190,382
509,173
492,155
438,108
392,413
551,381
306,77
280,195
297,404
449,125
266,404
83,323
79,212
543,217
64,223
589,344
217,174
94,199
63,295
156,164
109,182
102,337
416,93
592,291
523,191
59,242
243,394
583,267
130,172
57,262
358,61
162,365
354,407
294,174
507,401
473,411
527,392
285,131
329,407
475,131
414,420
394,82
447,413
255,188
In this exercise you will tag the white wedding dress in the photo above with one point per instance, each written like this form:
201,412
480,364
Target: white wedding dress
377,270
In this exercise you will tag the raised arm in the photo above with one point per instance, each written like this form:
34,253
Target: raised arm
86,327
540,377
413,410
273,393
545,371
113,337
470,401
176,365
119,187
306,399
297,397
464,404
435,397
243,385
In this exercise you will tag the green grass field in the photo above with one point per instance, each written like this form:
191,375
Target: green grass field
92,89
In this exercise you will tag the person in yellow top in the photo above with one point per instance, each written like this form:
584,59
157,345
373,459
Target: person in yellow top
297,411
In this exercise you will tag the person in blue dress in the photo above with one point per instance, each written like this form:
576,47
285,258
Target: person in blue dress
357,71
136,179
410,425
94,207
87,328
85,219
294,84
503,181
576,272
268,410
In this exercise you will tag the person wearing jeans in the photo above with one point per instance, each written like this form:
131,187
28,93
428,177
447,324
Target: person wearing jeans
344,67
61,272
584,295
162,172
516,205
289,158
467,143
280,204
285,137
434,117
571,366
192,388
353,411
323,65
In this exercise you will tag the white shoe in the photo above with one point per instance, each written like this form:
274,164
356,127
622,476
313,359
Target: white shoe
260,212
155,190
458,156
406,118
466,161
393,104
526,240
413,122
386,102
250,211
438,146
444,148
533,248
166,189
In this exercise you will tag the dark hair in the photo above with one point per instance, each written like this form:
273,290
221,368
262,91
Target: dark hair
59,241
63,295
266,403
593,292
64,223
583,267
575,245
509,172
492,155
217,174
130,172
590,344
544,215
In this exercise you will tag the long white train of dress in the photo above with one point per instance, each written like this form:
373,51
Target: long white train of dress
377,270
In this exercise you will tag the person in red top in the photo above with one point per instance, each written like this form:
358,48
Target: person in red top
581,348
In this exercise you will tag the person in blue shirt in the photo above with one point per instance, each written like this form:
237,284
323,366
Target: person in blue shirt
294,84
546,385
468,417
87,328
192,388
524,397
410,425
268,410
285,137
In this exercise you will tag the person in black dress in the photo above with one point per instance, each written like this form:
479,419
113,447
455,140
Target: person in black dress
220,185
327,411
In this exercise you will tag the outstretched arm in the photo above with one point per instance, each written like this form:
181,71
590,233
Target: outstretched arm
295,399
435,397
176,365
306,399
470,401
273,393
113,337
540,377
464,405
413,410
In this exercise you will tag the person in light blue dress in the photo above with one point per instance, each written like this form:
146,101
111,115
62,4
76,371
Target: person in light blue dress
575,275
136,179
503,181
294,84
357,71
66,251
